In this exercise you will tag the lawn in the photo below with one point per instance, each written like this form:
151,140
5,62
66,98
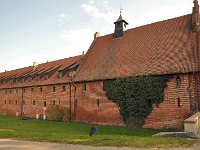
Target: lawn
75,133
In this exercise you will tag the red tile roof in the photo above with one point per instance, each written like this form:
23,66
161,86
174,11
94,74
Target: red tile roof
36,74
166,47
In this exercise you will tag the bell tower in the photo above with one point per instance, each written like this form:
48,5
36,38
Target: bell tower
120,27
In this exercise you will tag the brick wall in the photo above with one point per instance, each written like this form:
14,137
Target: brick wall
92,106
34,99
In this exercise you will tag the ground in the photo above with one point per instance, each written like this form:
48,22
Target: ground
6,144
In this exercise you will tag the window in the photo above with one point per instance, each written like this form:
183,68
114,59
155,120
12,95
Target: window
24,90
84,87
5,102
59,102
54,89
40,89
178,81
45,104
54,102
31,89
179,103
10,91
16,102
98,102
17,91
64,88
33,102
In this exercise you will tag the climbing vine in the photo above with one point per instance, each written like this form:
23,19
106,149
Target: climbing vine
135,96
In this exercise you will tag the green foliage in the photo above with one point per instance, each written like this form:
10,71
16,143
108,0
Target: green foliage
135,96
59,114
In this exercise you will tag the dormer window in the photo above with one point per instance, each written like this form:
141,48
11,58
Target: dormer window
60,74
47,76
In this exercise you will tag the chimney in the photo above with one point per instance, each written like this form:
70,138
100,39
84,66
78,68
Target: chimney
195,17
96,35
35,65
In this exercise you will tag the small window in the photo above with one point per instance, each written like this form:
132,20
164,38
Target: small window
34,102
98,102
179,103
54,89
40,89
45,104
5,102
84,87
31,89
59,102
54,102
10,91
24,90
16,102
64,88
178,81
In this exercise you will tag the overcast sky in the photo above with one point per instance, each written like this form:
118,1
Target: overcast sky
41,30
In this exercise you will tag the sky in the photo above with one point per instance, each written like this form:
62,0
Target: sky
47,30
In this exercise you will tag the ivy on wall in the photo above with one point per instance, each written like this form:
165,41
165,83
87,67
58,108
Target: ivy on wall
135,96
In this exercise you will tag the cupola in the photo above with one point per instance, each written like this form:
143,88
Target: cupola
120,27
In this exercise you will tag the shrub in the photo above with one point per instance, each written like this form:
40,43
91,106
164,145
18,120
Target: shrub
59,114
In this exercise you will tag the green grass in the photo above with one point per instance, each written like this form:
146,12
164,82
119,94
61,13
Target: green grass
74,133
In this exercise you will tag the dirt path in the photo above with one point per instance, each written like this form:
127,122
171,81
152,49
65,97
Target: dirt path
6,144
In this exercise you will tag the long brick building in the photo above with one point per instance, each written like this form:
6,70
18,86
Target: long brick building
162,48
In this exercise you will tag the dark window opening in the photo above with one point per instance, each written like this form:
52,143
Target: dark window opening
24,90
33,102
64,88
84,87
40,89
45,104
16,102
31,89
178,82
5,101
98,102
179,103
54,102
10,91
59,102
54,89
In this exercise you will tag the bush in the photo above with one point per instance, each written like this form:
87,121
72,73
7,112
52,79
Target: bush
59,114
135,96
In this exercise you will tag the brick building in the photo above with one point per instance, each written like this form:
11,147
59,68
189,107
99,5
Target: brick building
162,48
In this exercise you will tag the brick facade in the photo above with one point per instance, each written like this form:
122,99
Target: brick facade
91,105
